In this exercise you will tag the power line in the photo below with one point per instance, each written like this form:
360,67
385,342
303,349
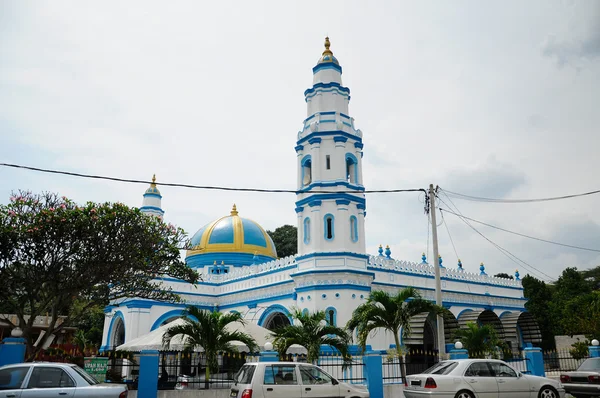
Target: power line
217,188
497,200
449,235
523,235
502,250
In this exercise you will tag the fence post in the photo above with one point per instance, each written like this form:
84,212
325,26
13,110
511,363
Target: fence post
535,360
12,349
148,379
458,352
374,374
268,355
594,349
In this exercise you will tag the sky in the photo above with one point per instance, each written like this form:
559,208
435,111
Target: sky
495,99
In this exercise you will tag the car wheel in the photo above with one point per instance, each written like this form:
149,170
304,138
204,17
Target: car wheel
464,394
548,392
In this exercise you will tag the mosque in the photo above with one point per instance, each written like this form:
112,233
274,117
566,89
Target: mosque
331,270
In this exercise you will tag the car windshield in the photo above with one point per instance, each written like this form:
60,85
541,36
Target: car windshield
91,381
244,375
441,368
590,364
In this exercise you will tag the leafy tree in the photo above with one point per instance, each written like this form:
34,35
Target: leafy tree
390,312
504,275
59,258
208,330
311,331
479,340
539,295
285,239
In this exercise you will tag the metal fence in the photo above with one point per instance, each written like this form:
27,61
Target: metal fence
564,360
414,363
354,373
123,368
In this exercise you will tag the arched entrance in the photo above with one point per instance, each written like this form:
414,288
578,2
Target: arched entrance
118,332
276,320
482,317
520,328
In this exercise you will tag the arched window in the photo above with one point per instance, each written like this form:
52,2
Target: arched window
306,170
331,316
351,169
353,229
328,220
306,231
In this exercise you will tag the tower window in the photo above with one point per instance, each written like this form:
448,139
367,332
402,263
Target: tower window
353,229
306,170
331,315
306,230
328,162
329,225
351,169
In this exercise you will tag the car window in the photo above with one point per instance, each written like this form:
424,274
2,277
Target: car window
244,375
590,364
441,368
12,378
478,369
46,377
312,375
280,374
89,379
502,370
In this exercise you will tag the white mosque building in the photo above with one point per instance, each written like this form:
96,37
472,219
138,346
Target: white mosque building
332,271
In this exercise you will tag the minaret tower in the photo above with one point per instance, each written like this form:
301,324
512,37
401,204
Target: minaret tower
152,201
331,202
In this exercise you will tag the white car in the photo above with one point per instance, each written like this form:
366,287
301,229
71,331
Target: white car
479,378
290,380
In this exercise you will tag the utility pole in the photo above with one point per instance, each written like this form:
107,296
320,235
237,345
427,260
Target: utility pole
438,282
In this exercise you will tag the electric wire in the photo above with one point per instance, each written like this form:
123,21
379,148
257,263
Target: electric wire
498,200
218,188
504,251
523,235
449,235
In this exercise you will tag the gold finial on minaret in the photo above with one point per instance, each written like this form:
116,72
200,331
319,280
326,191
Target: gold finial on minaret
327,44
234,211
153,181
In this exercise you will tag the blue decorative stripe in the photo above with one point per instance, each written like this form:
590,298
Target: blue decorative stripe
361,206
155,195
299,209
333,271
340,139
332,184
326,85
253,235
359,145
152,208
314,203
332,196
328,65
324,113
258,301
298,148
200,260
222,232
333,287
328,134
332,254
342,202
314,140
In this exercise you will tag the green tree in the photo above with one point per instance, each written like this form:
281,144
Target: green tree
390,312
539,295
479,340
504,275
59,258
285,239
206,329
311,331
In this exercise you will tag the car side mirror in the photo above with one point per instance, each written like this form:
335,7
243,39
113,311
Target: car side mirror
519,374
334,382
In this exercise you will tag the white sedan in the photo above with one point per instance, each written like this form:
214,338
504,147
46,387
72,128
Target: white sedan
479,378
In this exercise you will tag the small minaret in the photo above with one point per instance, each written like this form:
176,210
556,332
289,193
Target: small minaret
331,202
152,201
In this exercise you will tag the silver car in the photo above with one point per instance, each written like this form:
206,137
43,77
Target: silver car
479,378
48,379
585,381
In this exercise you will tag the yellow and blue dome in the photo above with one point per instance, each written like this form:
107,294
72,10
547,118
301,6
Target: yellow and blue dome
327,55
152,190
233,240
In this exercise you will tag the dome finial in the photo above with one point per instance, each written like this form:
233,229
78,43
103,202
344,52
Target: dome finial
154,180
327,45
234,211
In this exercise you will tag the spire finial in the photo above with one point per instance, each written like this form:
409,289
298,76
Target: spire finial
153,180
234,211
327,45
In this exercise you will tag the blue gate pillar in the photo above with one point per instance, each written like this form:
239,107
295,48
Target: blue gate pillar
595,349
535,360
268,355
374,374
148,380
458,352
12,349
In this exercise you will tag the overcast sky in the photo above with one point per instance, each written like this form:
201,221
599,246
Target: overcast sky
497,99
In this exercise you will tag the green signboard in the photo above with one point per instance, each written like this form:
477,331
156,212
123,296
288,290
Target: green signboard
96,367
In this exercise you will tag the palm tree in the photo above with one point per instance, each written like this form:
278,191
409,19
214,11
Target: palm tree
390,312
312,331
208,330
479,340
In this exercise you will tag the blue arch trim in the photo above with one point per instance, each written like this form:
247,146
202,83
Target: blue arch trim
305,159
111,328
351,159
166,316
325,218
334,315
304,164
271,310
